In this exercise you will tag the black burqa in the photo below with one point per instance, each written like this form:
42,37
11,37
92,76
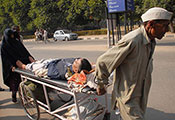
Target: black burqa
11,51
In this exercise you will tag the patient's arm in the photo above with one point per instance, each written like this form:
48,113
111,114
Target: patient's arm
20,64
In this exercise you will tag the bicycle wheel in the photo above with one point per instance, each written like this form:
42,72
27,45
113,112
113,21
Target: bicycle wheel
29,102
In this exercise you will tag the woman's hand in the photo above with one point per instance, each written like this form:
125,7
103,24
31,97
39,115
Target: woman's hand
20,64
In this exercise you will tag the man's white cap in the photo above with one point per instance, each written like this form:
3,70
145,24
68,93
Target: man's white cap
156,13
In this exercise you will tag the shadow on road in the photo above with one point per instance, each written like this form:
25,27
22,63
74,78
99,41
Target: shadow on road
4,101
13,118
8,104
166,44
153,114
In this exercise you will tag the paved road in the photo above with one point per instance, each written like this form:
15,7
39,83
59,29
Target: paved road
161,99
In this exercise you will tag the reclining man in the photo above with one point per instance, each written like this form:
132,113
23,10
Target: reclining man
57,68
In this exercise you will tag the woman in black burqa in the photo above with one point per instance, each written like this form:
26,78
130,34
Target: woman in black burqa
12,51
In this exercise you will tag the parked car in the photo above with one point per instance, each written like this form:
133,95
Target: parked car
64,35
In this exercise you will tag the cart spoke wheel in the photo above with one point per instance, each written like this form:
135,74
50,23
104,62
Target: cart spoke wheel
29,102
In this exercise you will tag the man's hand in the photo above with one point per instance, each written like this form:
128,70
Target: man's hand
101,90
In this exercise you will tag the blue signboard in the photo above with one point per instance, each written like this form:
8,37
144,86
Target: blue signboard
116,5
120,5
130,5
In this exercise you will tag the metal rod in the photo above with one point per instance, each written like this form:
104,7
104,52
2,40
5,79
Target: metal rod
39,102
131,21
113,40
118,35
108,27
77,107
51,86
61,109
46,96
125,21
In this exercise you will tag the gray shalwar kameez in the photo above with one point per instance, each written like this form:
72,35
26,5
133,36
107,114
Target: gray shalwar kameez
131,61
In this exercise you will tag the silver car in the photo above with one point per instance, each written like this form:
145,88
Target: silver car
64,35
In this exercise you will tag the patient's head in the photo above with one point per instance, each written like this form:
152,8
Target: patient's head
81,64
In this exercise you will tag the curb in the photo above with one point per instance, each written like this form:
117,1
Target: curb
81,38
92,38
170,35
100,37
28,40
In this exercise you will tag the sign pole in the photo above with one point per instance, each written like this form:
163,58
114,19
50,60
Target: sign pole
125,21
112,27
117,7
108,26
131,20
118,27
125,15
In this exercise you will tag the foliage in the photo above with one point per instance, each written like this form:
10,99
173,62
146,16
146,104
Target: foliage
92,32
167,4
44,14
138,9
67,14
5,19
28,36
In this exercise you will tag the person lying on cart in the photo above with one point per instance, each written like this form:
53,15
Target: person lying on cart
54,69
57,68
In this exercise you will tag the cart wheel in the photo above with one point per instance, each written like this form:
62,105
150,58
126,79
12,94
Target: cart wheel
29,102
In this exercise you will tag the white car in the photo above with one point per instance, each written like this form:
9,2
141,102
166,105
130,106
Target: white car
64,35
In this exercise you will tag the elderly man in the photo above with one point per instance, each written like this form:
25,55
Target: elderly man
131,61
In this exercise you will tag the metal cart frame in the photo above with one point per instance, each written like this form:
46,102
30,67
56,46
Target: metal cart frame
31,104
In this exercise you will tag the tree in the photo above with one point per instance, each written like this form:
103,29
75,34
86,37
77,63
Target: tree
97,10
44,14
142,6
138,9
167,4
19,11
81,12
53,14
5,19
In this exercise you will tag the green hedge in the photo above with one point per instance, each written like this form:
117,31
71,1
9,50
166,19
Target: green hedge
28,36
91,32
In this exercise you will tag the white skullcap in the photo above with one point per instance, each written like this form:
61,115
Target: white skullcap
156,13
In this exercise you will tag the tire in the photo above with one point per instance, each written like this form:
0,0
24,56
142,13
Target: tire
66,39
29,102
